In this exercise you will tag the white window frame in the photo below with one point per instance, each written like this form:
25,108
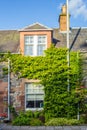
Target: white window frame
35,43
31,93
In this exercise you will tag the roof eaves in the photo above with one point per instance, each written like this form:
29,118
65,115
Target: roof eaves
35,30
64,32
79,27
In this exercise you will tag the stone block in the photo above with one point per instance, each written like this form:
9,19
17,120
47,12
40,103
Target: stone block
58,128
75,127
50,128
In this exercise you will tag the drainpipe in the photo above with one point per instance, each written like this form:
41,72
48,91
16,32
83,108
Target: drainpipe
8,89
68,53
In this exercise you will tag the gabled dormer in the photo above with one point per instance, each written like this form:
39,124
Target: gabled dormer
34,39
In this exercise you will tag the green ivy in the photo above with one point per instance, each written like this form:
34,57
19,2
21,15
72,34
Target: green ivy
52,70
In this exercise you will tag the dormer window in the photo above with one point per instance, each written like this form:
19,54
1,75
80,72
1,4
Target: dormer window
34,39
35,45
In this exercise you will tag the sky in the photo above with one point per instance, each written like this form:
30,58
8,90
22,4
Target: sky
17,14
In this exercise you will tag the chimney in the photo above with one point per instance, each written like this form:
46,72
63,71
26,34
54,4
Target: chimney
63,19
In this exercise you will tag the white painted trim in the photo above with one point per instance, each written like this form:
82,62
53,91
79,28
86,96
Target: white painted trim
31,30
34,109
35,45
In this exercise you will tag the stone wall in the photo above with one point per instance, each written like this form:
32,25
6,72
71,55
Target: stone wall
17,95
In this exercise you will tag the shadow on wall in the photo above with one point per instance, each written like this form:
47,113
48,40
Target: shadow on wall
55,41
72,44
84,45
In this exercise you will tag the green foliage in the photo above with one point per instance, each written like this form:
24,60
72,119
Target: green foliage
29,114
36,114
28,118
13,111
64,105
21,121
62,122
5,70
39,115
35,122
2,57
52,70
23,118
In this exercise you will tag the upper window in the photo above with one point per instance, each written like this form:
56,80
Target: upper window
34,96
35,45
41,39
29,40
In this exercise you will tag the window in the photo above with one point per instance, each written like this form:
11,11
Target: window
40,49
29,45
34,96
35,45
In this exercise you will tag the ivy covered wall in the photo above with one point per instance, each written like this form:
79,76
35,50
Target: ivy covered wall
52,70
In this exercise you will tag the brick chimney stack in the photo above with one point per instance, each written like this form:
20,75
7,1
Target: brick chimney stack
63,19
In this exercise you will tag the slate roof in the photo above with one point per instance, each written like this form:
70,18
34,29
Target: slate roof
9,41
77,38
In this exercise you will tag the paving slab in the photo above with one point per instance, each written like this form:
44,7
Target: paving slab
6,128
24,128
49,128
75,128
58,128
83,127
41,128
66,128
32,128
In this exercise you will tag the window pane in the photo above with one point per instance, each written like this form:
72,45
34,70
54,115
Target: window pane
41,39
30,97
29,50
40,49
39,97
30,104
28,40
39,104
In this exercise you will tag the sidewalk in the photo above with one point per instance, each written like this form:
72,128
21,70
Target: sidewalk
8,127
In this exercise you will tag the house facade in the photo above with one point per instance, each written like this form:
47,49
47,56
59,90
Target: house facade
32,41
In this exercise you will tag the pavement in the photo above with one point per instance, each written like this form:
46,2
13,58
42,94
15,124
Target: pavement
9,127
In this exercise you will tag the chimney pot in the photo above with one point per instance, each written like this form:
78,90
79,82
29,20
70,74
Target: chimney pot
64,10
